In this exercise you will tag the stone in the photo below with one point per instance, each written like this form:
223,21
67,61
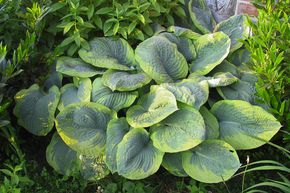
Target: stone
222,9
247,8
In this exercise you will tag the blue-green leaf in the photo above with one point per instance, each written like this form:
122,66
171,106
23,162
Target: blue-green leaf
83,126
70,93
183,32
212,161
189,91
117,128
76,67
112,99
217,80
124,81
160,59
137,158
243,125
63,159
211,50
152,108
184,45
201,16
35,109
182,130
243,89
211,123
236,28
109,53
172,162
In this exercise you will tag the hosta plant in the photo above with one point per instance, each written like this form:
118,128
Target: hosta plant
181,100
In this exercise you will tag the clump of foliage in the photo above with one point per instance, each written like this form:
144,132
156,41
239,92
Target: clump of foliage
9,68
13,179
18,17
131,19
131,112
68,25
18,36
270,57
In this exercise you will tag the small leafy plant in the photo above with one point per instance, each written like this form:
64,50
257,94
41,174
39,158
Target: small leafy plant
178,102
13,179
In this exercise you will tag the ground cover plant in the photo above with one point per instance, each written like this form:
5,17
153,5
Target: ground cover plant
131,112
31,21
110,99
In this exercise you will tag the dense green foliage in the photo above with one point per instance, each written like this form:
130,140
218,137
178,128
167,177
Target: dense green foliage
131,20
148,95
270,58
9,68
66,26
164,119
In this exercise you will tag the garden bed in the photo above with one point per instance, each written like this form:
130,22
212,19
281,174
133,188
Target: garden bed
151,96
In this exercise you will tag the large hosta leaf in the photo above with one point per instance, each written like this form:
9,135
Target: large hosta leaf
137,158
222,79
161,60
211,50
201,16
211,123
73,94
212,161
182,130
226,67
76,67
249,76
93,167
54,79
63,159
240,90
82,126
124,81
189,92
35,109
243,125
236,28
217,80
240,57
113,100
117,128
184,45
172,162
152,108
183,32
109,53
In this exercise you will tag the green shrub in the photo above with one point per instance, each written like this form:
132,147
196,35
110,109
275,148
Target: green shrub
16,47
18,17
149,108
80,20
270,57
9,68
63,27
